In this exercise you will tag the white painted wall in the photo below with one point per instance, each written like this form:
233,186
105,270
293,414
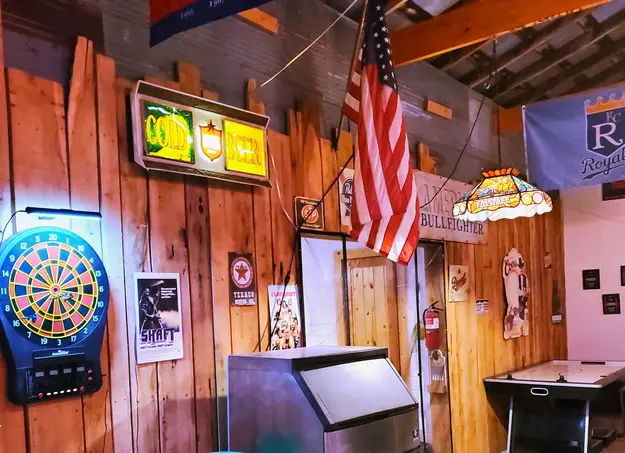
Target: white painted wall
594,238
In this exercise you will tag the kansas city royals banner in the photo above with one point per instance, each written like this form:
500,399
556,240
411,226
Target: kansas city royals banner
169,17
576,141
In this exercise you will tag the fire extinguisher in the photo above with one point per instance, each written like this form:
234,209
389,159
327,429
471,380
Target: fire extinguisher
431,319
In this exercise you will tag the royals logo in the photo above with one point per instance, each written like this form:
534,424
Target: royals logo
605,136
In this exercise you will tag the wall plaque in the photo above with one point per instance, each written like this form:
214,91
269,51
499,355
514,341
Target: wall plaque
303,208
179,133
242,279
591,279
611,304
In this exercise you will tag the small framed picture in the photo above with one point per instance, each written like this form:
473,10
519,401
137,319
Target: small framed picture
622,275
611,304
591,279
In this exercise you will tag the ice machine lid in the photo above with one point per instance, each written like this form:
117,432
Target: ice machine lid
356,390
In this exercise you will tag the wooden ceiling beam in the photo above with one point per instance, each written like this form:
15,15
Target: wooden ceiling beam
478,76
475,23
584,40
572,72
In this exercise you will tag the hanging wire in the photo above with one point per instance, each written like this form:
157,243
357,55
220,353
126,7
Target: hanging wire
307,48
493,76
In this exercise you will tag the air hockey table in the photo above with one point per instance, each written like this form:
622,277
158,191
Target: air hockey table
550,403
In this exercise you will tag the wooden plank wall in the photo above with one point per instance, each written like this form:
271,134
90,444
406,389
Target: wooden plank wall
476,345
188,225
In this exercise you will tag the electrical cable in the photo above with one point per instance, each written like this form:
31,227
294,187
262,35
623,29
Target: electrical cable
6,225
493,75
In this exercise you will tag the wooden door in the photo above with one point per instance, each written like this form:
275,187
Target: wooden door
373,317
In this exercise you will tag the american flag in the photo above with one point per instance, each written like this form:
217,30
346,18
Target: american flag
385,203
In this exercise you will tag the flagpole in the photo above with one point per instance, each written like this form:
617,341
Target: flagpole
359,37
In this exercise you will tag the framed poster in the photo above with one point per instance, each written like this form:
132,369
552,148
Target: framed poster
242,279
591,279
611,304
285,317
158,318
458,283
614,190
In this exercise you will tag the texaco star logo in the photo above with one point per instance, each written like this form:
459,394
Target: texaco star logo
241,272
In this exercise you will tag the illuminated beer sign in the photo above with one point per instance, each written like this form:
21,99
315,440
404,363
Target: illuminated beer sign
245,149
168,132
180,133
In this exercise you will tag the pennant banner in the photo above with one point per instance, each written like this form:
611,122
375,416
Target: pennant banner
170,17
576,141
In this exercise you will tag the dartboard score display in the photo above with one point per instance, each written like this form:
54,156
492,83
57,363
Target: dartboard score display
54,297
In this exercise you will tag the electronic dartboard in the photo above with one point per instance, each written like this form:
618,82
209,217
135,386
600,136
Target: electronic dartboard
54,297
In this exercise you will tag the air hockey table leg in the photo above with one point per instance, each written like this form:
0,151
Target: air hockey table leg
510,418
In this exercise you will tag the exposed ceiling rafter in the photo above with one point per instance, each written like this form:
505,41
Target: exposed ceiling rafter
584,40
479,76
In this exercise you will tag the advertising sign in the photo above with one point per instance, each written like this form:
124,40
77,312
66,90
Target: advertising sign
176,132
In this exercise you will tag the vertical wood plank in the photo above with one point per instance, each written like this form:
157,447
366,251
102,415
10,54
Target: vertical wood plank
392,312
12,422
296,158
85,195
134,199
112,248
311,149
40,172
219,238
405,333
198,230
168,244
282,180
329,171
262,236
368,304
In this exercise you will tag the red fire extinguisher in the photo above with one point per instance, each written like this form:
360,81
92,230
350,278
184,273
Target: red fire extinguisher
431,319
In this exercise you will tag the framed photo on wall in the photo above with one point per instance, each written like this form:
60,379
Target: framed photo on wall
591,279
611,304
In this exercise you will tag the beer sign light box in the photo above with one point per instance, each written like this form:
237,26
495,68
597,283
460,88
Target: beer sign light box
177,132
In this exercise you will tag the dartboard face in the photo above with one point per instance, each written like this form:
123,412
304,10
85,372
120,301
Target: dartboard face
53,287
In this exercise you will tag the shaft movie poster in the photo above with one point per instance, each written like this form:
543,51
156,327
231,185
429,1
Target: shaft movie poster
158,318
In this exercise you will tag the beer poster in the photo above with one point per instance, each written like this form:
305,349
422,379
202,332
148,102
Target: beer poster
242,279
458,283
285,317
158,318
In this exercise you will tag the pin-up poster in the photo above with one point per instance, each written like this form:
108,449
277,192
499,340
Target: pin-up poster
516,286
170,17
285,317
158,318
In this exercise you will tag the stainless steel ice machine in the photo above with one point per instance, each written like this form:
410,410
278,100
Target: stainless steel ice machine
320,400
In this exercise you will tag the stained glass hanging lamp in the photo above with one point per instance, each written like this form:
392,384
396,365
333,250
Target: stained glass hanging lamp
501,194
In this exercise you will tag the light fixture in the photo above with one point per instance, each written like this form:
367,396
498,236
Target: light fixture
502,195
51,213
